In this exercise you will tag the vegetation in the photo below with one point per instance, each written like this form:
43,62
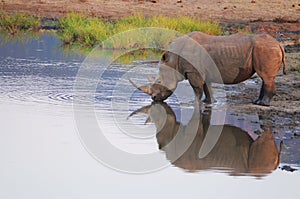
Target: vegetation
18,22
90,31
83,30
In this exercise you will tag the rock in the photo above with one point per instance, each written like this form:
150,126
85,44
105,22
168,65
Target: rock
296,135
253,1
179,1
288,168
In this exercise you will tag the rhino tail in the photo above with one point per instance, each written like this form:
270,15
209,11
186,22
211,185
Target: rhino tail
283,60
279,153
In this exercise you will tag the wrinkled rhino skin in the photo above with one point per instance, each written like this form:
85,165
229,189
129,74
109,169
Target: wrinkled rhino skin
237,58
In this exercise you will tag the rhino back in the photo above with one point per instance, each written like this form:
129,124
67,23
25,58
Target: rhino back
232,56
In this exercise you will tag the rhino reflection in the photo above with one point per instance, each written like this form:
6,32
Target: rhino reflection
234,151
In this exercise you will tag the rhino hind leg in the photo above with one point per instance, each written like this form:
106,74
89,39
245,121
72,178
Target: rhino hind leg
209,99
261,94
267,91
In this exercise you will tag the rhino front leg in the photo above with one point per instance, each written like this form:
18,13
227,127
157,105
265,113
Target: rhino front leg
208,93
197,83
267,91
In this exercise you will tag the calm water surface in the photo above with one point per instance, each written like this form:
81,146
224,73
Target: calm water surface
44,154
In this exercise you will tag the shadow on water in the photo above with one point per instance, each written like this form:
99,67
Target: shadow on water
235,151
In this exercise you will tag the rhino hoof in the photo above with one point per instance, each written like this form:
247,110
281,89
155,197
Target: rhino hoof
261,102
209,101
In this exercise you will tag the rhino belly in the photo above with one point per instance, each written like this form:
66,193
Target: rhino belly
234,64
236,75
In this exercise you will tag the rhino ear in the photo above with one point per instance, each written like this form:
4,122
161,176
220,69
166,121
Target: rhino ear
165,56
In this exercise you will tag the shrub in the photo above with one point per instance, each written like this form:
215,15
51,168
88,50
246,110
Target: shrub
18,22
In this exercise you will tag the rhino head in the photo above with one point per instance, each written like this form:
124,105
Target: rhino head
165,83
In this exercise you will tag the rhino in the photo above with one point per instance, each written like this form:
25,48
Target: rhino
204,59
235,151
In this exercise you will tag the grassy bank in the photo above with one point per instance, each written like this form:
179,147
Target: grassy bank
86,31
18,22
90,31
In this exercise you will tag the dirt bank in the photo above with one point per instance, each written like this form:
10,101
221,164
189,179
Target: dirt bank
204,9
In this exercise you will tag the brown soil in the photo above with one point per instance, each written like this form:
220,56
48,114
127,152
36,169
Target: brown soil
204,9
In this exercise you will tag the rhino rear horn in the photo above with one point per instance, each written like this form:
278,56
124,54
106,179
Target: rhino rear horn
146,89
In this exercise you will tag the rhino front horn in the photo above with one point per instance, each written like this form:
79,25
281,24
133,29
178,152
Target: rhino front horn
146,89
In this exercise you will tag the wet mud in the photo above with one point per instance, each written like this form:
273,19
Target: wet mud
282,117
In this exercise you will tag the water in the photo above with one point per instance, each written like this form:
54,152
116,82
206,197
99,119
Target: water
47,148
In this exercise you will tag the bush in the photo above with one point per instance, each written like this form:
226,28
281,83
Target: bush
18,22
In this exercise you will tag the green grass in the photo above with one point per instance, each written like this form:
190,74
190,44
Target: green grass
18,22
125,33
90,31
80,29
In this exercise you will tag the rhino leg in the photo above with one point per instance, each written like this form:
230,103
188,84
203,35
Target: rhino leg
197,84
267,91
208,93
